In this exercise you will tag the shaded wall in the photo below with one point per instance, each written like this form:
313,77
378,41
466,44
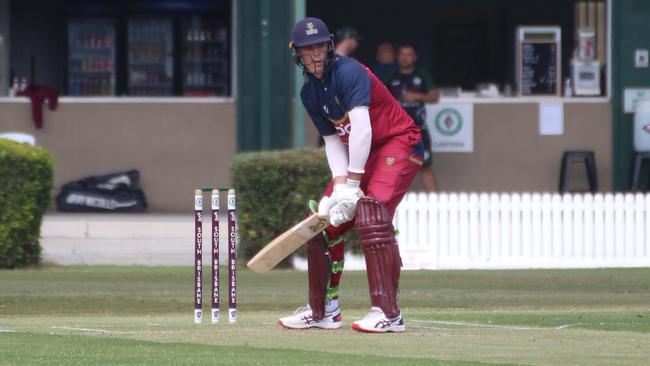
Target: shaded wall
38,42
460,42
176,146
510,155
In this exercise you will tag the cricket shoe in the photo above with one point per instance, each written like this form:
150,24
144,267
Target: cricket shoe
302,319
377,322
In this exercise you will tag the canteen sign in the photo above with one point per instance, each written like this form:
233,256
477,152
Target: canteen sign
451,127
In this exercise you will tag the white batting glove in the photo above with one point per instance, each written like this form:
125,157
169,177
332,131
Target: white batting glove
324,206
348,192
342,212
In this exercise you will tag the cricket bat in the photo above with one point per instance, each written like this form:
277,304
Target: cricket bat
287,243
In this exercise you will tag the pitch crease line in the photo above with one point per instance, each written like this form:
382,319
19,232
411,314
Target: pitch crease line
88,330
477,325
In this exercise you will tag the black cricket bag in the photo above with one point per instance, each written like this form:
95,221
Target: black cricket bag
116,192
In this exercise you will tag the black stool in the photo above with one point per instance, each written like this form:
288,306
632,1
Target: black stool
585,156
636,169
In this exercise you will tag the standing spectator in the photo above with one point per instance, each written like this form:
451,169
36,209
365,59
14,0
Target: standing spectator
347,40
413,87
385,57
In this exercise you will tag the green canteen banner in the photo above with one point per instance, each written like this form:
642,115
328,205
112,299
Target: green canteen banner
451,127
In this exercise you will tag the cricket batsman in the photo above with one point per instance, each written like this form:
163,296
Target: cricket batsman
374,150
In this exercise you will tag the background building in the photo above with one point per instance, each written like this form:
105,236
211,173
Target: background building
175,88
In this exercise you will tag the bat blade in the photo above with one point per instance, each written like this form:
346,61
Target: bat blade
287,243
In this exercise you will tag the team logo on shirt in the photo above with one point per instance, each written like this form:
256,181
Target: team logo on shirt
390,161
417,80
326,109
311,29
344,131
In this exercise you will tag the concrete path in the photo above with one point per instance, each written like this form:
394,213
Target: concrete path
122,239
135,239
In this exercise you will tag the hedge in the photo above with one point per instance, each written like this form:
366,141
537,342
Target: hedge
273,189
26,178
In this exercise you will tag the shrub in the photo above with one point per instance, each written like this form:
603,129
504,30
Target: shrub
273,189
26,174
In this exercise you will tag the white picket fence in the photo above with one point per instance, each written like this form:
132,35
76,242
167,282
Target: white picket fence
529,230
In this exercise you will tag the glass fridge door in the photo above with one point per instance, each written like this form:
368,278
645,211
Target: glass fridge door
91,57
150,57
205,57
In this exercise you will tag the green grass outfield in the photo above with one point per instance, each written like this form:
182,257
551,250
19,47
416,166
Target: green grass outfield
143,316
